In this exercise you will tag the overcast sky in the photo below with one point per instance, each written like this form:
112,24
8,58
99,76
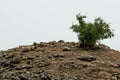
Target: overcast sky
23,22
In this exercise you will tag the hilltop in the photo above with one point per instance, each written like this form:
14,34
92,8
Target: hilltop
59,61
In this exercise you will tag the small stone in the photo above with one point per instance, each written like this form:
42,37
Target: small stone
33,48
24,57
35,44
27,66
42,44
115,65
30,57
66,49
52,42
86,58
5,63
11,66
44,64
10,56
14,78
18,68
22,77
115,76
1,77
26,49
44,77
62,41
58,55
28,62
15,60
3,55
55,55
42,50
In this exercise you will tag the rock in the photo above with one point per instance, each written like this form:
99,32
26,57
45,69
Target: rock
66,49
35,44
1,77
42,44
5,63
18,68
58,55
52,42
14,78
24,57
10,56
86,58
26,66
1,71
30,57
28,62
3,55
42,50
115,65
44,77
62,41
22,77
11,65
115,76
55,55
26,49
15,60
71,65
33,48
44,64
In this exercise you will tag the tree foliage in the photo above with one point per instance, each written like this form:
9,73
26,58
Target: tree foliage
90,33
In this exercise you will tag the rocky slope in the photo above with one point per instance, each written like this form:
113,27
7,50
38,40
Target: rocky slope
59,61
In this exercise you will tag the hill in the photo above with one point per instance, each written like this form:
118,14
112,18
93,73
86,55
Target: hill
59,61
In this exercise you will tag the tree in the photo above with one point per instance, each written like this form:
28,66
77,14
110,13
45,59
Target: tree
90,33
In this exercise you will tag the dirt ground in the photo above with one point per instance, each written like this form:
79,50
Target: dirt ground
59,61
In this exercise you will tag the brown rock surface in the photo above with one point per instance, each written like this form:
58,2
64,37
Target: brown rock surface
59,61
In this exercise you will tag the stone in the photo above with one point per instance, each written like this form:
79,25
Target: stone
1,77
26,66
26,49
44,77
22,77
11,65
52,42
62,41
70,65
35,44
15,60
66,49
58,55
115,76
10,56
86,58
28,62
30,57
115,65
14,78
5,63
42,44
32,48
55,55
44,64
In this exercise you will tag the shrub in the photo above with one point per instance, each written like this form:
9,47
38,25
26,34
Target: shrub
90,33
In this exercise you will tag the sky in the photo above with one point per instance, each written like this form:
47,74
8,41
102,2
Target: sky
23,22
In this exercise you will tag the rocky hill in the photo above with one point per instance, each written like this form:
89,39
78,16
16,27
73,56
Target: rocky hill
59,61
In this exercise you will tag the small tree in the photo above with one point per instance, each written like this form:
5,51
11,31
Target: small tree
90,33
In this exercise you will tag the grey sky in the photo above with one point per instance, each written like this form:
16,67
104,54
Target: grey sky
23,22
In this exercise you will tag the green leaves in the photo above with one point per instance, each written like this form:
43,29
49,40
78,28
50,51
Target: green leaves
90,33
